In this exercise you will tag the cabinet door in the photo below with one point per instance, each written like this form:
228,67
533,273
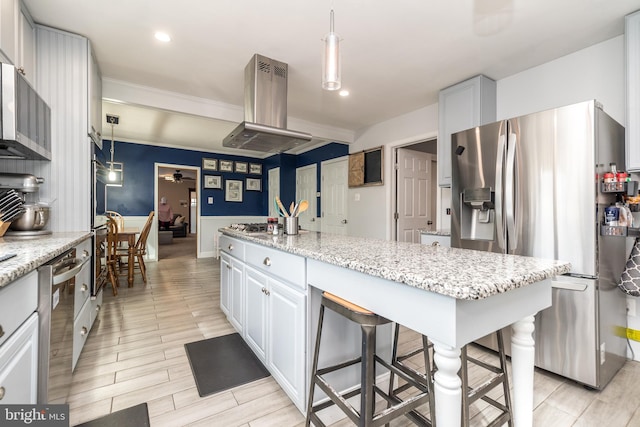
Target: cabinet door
19,365
286,345
462,106
256,305
8,26
26,55
225,280
632,45
95,99
81,327
237,297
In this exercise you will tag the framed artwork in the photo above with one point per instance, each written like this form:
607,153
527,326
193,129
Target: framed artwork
212,181
210,164
254,184
226,166
255,168
242,167
233,191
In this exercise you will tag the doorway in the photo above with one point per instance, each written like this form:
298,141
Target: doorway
333,190
416,190
180,185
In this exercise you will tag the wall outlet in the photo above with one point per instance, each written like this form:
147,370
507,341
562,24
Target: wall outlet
210,200
631,307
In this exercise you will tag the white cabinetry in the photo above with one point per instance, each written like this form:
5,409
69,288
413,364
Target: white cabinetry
275,330
19,341
274,298
17,38
632,45
435,240
95,99
462,106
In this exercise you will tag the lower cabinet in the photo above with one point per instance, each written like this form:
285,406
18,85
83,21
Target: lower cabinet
232,290
19,365
275,330
435,240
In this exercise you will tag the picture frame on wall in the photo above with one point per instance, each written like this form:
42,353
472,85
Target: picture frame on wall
254,184
209,164
212,181
226,166
242,167
233,190
255,168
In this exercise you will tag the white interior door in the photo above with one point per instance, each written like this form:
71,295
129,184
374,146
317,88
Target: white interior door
415,185
333,194
274,190
306,188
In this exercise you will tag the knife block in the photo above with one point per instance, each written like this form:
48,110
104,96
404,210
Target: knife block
4,226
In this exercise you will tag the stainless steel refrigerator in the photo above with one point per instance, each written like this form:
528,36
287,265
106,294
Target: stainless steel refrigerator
531,186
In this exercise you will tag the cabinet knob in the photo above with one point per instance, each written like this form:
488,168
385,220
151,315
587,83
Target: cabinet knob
435,244
21,71
266,292
267,261
344,221
1,393
230,247
263,290
84,287
85,253
83,331
1,331
98,307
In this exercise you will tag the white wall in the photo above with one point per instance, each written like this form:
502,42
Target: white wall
371,215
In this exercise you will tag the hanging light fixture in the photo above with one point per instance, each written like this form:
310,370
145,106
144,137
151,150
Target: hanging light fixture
116,170
331,78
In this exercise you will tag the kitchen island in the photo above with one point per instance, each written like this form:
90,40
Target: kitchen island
454,296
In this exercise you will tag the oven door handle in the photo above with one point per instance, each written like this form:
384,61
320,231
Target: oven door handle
68,274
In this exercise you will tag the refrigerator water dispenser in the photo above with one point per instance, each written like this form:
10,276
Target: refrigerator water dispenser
477,214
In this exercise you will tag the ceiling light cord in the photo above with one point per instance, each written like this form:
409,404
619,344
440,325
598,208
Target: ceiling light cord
112,174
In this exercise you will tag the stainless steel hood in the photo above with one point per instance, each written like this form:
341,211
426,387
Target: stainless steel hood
265,110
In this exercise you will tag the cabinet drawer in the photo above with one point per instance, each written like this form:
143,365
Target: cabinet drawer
82,287
19,365
96,306
282,265
17,301
232,246
81,327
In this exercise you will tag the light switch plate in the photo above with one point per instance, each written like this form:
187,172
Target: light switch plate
210,200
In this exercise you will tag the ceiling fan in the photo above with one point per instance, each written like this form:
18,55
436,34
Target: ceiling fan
178,177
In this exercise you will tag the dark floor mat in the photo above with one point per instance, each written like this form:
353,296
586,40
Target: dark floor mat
223,362
135,416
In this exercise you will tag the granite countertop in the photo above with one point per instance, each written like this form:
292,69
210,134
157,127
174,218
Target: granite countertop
458,273
32,252
435,232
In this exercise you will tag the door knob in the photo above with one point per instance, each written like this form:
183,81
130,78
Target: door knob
429,222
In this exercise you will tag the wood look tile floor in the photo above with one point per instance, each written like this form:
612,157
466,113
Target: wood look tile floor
135,353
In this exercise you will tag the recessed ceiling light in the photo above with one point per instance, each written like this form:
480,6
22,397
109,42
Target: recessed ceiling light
344,93
163,37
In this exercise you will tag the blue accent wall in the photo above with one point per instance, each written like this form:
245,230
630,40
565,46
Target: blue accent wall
135,197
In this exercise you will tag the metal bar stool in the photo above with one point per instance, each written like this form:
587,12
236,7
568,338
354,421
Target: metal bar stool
498,376
366,416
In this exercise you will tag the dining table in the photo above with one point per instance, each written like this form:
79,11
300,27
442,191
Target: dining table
128,234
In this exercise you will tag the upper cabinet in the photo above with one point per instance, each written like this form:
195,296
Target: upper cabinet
462,106
18,38
632,45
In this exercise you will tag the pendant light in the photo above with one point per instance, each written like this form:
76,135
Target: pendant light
331,78
116,170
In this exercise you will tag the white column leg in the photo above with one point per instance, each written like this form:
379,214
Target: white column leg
522,359
447,385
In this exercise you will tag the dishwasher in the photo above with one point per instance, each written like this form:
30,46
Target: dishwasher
55,308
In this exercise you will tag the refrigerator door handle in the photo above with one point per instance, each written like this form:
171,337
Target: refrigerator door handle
509,191
502,147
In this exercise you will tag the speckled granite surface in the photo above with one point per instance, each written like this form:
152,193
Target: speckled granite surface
459,273
436,233
34,251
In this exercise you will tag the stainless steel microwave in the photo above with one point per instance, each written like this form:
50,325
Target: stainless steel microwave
25,120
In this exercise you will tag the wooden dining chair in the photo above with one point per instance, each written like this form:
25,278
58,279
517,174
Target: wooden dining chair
117,218
140,248
112,254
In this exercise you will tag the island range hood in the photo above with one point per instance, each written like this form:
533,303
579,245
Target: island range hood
265,110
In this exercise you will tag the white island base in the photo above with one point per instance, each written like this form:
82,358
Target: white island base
450,324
